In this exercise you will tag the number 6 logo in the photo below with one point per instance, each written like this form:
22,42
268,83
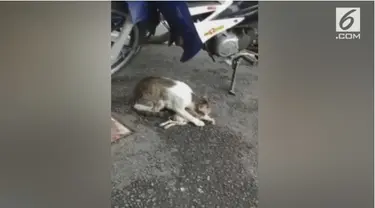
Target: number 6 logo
347,19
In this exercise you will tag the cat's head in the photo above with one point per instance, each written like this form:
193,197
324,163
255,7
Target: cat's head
202,106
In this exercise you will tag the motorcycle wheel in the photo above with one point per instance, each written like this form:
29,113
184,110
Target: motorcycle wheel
128,52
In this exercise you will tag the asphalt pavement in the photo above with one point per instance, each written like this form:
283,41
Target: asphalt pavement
187,166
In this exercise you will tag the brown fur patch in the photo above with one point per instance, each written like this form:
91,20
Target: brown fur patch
149,91
201,105
151,88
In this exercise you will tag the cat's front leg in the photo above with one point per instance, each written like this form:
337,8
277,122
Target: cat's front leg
209,119
180,120
204,117
183,113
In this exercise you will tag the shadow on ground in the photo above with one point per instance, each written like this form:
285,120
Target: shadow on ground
187,166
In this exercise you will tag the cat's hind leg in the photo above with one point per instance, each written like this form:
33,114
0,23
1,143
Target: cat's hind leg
176,120
149,106
166,124
142,107
169,123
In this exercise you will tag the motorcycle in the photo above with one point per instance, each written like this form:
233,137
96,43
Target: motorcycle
198,11
226,30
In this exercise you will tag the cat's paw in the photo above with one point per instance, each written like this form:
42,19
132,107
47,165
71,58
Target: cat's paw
213,122
199,123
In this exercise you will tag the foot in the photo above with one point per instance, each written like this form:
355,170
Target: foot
165,123
213,122
199,123
209,119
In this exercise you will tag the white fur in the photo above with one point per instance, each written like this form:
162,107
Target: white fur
176,120
182,91
181,98
141,107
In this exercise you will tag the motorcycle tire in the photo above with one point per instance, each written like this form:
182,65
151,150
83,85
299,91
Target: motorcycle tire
135,47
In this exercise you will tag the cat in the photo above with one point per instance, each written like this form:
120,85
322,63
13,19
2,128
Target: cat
153,94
